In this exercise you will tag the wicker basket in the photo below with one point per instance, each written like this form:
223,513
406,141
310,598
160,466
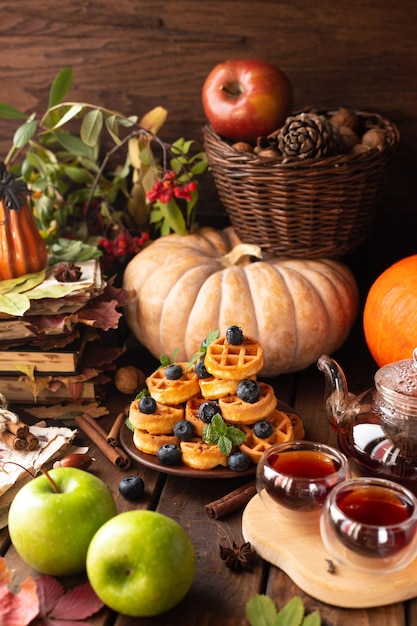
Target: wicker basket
321,207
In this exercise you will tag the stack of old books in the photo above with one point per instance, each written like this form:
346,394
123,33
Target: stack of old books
59,334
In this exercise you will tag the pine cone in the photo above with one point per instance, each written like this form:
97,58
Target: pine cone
308,135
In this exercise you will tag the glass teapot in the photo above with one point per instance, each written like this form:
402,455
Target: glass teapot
377,429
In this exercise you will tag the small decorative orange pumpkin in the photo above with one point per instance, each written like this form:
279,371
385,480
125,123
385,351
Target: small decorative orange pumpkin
390,313
22,249
187,286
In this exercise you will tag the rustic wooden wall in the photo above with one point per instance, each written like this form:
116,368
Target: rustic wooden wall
135,54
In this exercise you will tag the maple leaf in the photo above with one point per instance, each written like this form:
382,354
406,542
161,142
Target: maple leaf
17,609
58,607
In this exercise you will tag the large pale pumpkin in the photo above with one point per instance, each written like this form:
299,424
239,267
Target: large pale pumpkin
187,286
390,313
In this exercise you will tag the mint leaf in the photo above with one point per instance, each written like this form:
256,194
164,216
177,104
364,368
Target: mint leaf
165,360
212,336
261,611
225,445
222,435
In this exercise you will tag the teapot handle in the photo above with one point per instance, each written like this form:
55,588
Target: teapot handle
336,394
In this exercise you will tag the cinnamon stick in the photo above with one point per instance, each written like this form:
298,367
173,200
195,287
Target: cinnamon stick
32,441
113,435
13,442
98,436
18,428
231,502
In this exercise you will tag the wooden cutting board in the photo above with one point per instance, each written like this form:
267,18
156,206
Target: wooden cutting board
298,550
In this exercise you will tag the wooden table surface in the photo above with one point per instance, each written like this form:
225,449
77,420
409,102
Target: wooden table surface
218,594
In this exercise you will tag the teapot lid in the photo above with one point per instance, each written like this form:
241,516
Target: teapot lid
399,377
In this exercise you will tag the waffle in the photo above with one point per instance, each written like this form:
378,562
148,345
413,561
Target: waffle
191,413
235,410
201,456
213,388
298,426
159,423
283,431
234,362
150,444
173,392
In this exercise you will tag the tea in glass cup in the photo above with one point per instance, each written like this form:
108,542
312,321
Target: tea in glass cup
370,524
297,476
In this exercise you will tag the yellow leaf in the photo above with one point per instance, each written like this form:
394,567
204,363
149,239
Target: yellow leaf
134,151
154,120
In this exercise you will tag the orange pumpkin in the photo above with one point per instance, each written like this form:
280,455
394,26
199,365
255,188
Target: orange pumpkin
390,313
186,286
22,249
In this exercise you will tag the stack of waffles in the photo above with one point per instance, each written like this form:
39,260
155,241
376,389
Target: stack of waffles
226,365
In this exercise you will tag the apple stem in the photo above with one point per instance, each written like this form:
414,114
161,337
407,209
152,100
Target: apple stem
235,92
51,482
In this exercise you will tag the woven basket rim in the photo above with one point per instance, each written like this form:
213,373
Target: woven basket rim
238,158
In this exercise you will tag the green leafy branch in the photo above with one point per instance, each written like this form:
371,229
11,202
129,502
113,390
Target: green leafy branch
222,435
73,186
261,611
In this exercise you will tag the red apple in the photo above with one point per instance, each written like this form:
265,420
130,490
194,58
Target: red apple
246,98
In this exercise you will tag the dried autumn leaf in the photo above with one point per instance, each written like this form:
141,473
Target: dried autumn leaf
65,608
17,609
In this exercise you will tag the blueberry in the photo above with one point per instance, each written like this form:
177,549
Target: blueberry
147,405
248,390
184,430
173,371
239,461
169,454
263,429
200,369
207,410
234,335
132,488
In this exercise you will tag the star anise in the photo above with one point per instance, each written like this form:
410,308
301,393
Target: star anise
67,273
238,557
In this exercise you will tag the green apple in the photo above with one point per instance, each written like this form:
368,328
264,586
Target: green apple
51,530
141,563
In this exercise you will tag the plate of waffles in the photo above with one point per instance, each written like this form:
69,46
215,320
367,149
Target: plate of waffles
287,425
177,394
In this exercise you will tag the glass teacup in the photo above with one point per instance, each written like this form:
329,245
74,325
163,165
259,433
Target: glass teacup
370,524
296,476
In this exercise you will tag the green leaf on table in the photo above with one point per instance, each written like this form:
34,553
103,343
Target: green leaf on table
24,133
9,112
261,611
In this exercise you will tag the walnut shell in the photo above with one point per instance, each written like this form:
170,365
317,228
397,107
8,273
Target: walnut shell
129,379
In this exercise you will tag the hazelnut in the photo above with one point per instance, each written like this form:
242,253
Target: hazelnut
374,138
77,460
349,138
358,148
129,379
242,146
345,117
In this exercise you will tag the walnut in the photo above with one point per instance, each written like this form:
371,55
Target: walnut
345,117
129,379
374,138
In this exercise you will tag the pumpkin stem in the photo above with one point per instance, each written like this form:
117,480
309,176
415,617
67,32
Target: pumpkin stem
240,254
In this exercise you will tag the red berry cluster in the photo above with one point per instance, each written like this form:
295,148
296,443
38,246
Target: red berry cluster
169,187
121,248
